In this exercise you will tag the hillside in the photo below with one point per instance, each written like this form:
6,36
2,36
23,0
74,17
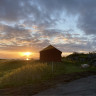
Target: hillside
20,73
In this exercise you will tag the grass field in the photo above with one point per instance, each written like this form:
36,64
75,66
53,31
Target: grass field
20,72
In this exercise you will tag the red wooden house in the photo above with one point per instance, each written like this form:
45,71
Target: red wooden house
50,54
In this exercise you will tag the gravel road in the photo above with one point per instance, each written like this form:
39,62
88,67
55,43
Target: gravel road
81,87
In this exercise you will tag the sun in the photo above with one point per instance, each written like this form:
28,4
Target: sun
27,53
27,58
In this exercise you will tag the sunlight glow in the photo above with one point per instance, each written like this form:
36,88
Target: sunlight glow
27,53
27,58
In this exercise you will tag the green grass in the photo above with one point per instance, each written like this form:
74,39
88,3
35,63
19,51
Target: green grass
7,66
20,72
24,75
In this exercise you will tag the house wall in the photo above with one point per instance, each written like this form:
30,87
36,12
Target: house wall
50,56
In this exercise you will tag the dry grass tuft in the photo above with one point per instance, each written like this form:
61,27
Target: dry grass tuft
25,75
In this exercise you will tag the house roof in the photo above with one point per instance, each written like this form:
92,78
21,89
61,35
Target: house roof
49,48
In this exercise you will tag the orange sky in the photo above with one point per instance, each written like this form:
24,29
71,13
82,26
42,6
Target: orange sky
18,55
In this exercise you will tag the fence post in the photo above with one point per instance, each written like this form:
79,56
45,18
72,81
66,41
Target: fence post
52,67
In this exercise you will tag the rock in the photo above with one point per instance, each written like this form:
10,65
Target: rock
85,65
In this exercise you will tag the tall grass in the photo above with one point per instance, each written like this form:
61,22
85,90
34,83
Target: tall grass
25,75
20,72
7,66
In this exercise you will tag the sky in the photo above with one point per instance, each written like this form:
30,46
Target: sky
31,25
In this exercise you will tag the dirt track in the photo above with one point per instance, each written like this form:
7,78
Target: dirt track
82,87
51,83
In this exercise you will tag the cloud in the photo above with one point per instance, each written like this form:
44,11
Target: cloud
47,12
85,9
34,24
19,38
10,32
